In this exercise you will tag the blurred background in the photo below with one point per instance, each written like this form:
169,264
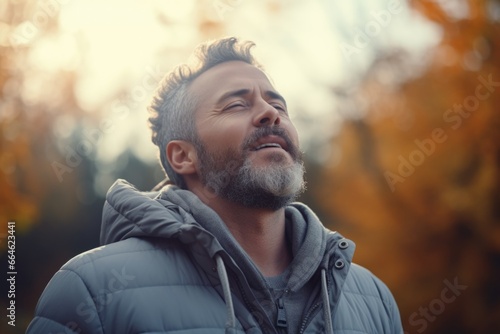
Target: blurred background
396,102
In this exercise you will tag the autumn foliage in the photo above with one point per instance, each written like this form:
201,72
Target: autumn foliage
418,182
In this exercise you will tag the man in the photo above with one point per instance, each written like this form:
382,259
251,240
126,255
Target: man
222,248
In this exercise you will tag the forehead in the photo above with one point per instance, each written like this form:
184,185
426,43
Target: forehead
228,76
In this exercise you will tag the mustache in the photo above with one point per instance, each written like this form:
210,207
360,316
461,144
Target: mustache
265,131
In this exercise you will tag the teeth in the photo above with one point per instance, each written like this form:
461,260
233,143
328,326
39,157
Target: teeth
268,145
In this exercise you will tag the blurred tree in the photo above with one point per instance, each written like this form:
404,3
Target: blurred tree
48,145
44,205
417,185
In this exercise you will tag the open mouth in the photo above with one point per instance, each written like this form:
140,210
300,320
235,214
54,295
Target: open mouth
272,141
260,147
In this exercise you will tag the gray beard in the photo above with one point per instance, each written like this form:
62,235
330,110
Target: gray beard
230,175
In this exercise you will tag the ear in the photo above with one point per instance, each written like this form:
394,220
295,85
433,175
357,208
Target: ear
182,156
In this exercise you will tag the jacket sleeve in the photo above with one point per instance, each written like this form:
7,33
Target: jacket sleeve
369,295
394,325
66,306
397,326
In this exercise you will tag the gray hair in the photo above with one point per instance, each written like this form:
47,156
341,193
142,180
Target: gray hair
172,108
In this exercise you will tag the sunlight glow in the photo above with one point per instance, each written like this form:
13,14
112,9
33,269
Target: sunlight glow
120,49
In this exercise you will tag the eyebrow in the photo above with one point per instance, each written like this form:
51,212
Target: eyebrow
275,96
242,92
234,93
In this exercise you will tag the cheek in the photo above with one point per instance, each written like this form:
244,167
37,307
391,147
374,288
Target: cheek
296,136
292,131
222,133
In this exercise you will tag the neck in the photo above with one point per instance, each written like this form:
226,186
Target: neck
260,232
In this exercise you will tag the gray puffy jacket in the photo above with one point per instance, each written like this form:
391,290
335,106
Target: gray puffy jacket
161,271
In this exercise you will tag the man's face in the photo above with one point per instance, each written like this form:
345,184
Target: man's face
248,147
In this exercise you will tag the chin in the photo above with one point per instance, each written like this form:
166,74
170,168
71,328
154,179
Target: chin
276,157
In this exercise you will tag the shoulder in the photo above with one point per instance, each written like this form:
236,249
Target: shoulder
106,279
369,295
115,252
126,260
362,281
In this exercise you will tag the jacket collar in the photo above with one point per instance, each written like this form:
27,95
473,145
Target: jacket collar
178,214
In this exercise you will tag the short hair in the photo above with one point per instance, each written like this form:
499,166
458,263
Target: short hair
172,109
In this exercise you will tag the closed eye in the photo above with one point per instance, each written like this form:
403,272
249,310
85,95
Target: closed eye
238,104
279,107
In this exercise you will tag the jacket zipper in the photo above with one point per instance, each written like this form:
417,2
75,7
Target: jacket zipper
246,301
281,317
308,317
311,313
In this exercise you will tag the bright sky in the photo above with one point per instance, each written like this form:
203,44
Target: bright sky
306,46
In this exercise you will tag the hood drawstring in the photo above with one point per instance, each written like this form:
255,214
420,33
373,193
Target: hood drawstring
326,303
231,318
221,271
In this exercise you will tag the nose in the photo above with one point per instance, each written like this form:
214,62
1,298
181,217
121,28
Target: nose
267,115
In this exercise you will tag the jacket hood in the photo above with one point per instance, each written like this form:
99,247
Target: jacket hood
174,213
130,213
